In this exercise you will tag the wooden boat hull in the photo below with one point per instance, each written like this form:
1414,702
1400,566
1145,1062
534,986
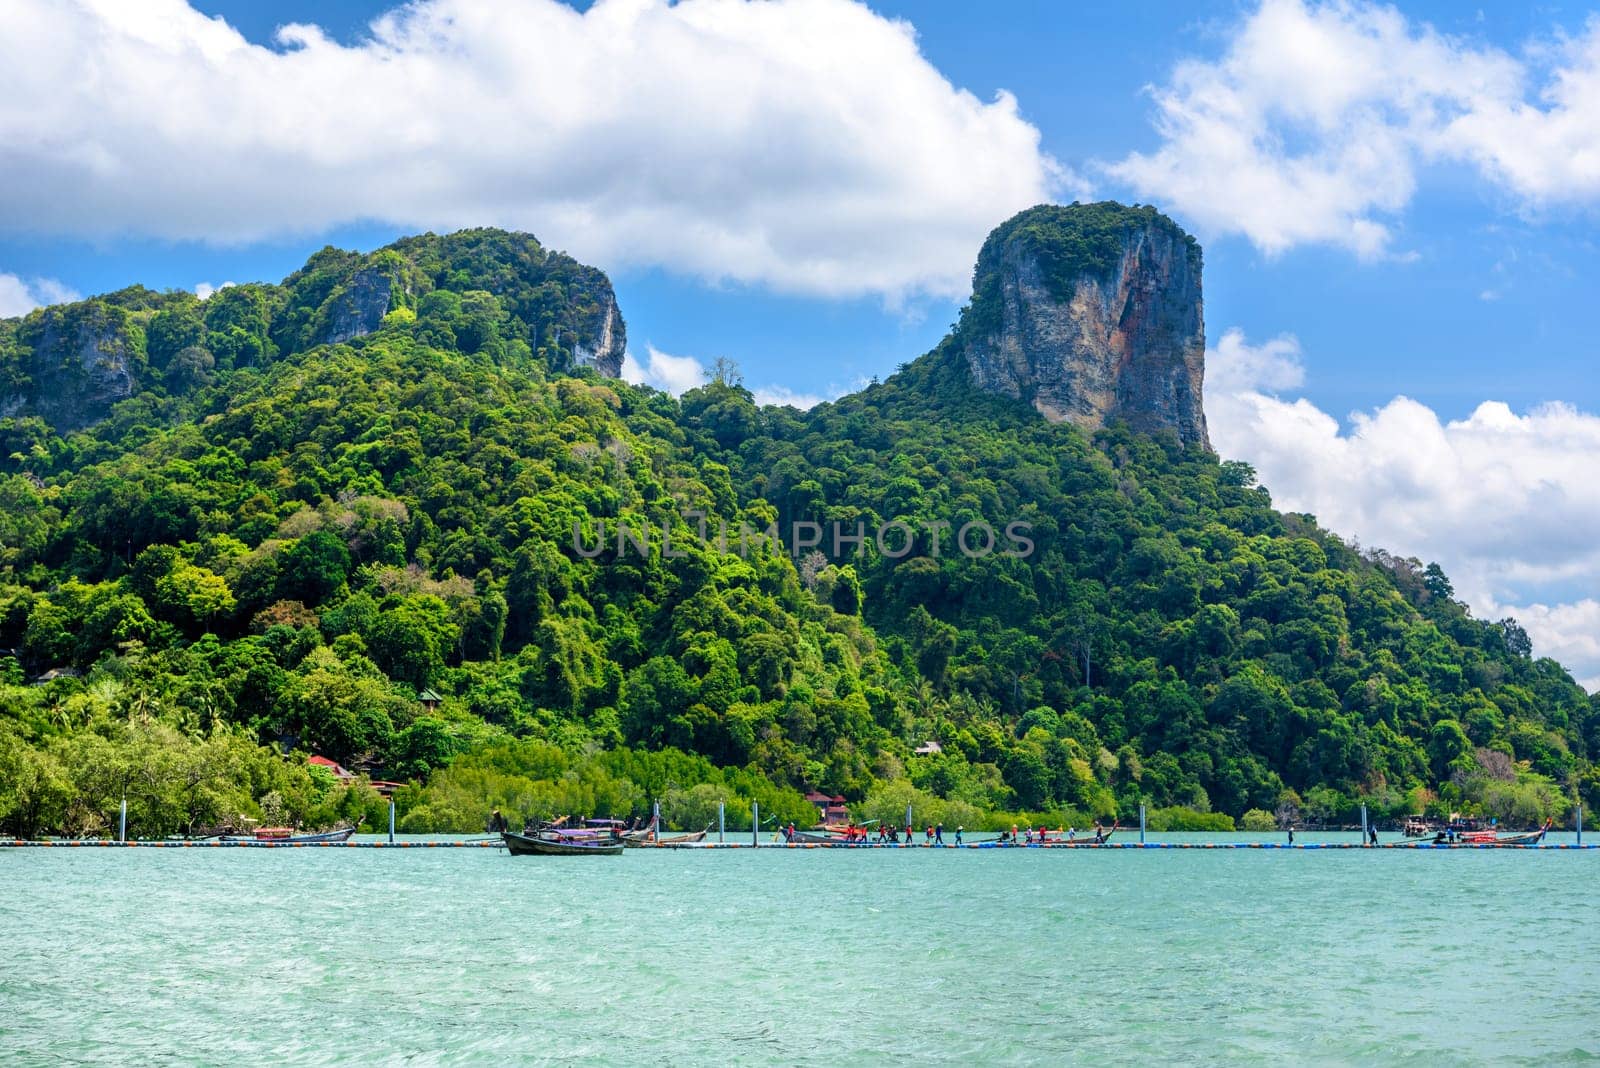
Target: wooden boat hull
812,838
521,845
1515,841
343,834
637,841
1481,840
1086,840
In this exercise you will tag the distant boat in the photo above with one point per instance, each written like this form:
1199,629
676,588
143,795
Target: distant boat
559,845
814,838
649,837
286,836
1493,838
1089,839
1055,839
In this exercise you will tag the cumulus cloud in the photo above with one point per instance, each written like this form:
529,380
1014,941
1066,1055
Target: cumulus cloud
1506,502
19,296
1568,632
670,374
783,396
805,145
678,374
204,290
1313,125
1236,366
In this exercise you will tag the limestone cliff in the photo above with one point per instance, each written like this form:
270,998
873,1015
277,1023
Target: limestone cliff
489,292
609,340
1091,313
73,363
358,308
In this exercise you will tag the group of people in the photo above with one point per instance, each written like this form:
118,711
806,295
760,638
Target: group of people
1028,836
933,835
862,834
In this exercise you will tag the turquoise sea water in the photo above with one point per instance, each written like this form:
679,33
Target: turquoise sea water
826,957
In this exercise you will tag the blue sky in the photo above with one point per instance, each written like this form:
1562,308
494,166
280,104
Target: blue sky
1398,204
1420,328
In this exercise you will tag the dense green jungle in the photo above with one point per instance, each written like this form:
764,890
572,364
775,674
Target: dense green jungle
389,512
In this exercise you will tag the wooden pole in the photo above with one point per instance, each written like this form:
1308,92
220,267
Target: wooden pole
122,822
391,821
755,823
909,824
655,823
1363,824
1580,821
1141,823
722,820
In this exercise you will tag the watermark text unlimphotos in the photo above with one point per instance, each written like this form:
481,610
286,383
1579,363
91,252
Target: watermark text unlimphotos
893,540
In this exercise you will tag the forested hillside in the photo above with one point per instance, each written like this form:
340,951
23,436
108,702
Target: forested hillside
307,504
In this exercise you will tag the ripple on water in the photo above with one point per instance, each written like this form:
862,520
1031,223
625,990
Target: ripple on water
993,957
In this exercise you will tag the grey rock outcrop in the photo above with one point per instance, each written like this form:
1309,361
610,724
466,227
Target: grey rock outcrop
610,340
79,363
359,309
1092,313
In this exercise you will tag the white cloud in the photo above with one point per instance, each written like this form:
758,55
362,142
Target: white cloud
1568,632
679,374
805,145
19,296
1314,124
783,395
668,373
1507,503
204,290
1236,366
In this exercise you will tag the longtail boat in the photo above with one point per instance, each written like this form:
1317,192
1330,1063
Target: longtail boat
815,838
1493,839
286,836
1053,839
649,837
1087,840
557,845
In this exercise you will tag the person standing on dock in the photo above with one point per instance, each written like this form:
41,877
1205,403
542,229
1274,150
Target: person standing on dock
1291,834
1372,834
958,836
938,834
497,822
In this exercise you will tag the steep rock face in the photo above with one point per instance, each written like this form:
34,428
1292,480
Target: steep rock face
610,339
359,308
76,362
1091,313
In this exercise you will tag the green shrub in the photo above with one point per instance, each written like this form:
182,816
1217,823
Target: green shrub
1258,820
1178,818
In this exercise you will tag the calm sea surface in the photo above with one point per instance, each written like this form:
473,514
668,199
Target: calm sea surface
825,957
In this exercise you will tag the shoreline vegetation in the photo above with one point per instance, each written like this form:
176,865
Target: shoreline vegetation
178,784
334,516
